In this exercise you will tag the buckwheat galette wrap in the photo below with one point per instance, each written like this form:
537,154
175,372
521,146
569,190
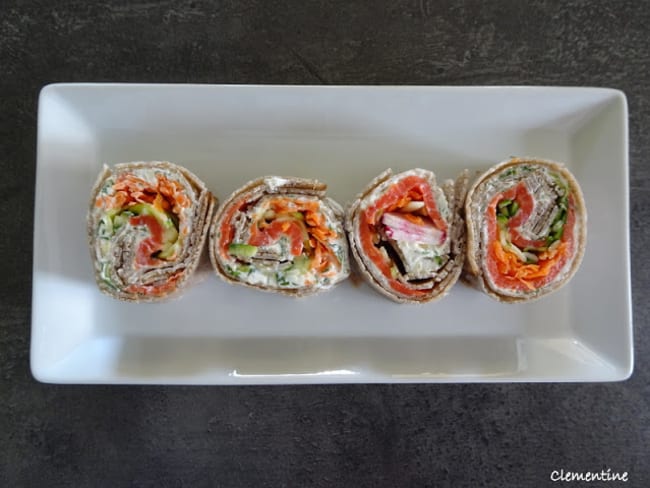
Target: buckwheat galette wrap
281,235
407,234
526,227
147,226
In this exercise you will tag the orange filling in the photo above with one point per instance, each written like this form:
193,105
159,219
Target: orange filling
157,290
167,196
504,267
397,198
530,275
308,234
146,249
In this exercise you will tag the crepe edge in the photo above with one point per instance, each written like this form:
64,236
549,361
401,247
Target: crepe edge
472,272
455,191
268,185
206,200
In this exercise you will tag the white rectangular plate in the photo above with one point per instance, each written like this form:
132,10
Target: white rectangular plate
344,136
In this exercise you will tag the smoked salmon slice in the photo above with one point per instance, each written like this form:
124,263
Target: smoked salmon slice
526,222
147,225
280,234
407,234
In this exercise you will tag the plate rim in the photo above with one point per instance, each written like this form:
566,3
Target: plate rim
619,95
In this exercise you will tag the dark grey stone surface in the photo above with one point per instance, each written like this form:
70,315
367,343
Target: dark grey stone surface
372,435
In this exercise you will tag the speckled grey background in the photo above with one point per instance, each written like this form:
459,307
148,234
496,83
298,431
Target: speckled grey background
393,436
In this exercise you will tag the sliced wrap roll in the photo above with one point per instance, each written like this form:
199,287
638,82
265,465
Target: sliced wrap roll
527,229
407,234
147,226
282,235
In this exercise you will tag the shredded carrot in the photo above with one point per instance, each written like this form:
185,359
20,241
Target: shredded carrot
317,260
323,234
283,204
313,218
509,265
330,273
128,189
120,199
161,203
317,244
402,202
413,218
412,195
174,191
325,261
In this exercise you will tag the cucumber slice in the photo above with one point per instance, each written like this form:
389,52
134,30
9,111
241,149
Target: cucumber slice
514,208
504,203
242,251
301,263
146,209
